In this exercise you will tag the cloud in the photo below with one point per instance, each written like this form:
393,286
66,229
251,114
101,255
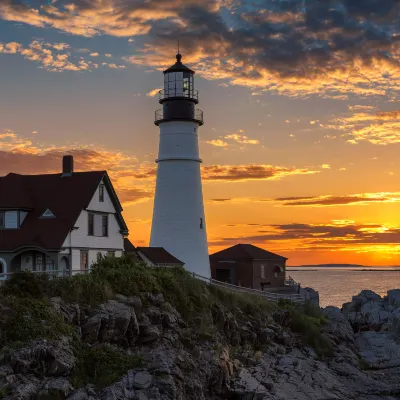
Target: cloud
233,138
94,54
380,128
217,143
240,138
21,155
48,56
234,173
325,166
297,48
335,236
153,92
329,200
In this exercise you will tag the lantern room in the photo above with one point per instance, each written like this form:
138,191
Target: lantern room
178,98
179,82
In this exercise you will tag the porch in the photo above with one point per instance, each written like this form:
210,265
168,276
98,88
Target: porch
34,260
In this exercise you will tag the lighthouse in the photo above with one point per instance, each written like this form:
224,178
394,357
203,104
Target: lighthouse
179,223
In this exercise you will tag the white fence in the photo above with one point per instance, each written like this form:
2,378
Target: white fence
270,296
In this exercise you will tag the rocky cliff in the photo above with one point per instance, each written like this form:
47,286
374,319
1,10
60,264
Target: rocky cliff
130,332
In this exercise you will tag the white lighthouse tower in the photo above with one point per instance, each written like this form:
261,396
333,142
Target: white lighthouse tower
179,223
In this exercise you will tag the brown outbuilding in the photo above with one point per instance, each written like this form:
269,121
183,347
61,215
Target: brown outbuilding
249,266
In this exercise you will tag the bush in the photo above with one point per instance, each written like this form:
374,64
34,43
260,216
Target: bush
102,365
307,322
26,319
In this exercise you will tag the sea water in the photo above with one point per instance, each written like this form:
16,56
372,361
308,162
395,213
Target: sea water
337,286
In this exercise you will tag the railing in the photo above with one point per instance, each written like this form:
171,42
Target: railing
275,297
50,273
175,93
198,116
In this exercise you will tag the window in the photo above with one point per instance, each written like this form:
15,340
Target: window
47,214
277,271
262,271
38,262
90,224
104,225
1,267
111,253
97,224
84,260
201,223
101,193
2,219
50,266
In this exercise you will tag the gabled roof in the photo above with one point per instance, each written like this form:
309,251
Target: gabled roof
66,197
158,255
128,246
245,252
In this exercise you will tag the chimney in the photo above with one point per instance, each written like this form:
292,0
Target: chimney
68,166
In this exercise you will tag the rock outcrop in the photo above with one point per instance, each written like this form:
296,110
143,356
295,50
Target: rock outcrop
227,354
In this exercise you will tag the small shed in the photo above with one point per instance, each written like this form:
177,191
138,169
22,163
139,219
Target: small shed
152,256
249,266
158,257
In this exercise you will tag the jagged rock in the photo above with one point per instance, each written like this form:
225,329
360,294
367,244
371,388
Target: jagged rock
142,380
21,387
149,334
338,326
393,297
266,335
378,349
57,388
112,322
70,312
153,314
132,301
44,358
79,394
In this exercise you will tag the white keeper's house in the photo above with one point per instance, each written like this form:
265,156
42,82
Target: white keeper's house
59,222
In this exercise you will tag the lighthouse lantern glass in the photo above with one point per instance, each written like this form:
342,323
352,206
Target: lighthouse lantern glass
178,84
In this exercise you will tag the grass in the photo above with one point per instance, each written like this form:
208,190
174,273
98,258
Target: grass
28,294
307,321
29,319
102,365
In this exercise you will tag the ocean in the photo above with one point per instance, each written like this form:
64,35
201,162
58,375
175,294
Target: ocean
337,285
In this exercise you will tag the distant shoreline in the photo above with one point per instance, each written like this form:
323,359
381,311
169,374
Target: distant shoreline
342,268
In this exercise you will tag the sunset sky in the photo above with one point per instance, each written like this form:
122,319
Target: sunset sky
301,141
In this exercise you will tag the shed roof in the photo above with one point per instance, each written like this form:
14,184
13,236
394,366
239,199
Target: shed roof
245,252
158,255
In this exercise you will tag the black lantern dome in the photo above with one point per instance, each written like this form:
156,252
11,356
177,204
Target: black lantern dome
179,96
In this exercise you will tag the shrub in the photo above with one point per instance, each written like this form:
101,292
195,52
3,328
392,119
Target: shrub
102,365
27,319
307,322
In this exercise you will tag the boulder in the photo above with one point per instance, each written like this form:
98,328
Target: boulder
58,388
378,349
113,322
338,326
393,297
44,358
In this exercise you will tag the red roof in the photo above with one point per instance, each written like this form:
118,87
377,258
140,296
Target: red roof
65,197
245,252
158,255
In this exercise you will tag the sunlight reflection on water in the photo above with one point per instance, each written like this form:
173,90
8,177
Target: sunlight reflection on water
336,286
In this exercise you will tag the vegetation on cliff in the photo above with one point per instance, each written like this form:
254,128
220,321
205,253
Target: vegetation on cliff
35,307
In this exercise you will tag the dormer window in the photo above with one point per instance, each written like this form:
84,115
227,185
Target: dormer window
47,214
101,193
